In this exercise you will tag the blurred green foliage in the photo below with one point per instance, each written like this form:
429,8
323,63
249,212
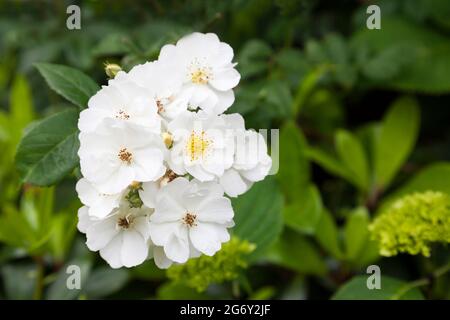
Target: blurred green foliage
363,118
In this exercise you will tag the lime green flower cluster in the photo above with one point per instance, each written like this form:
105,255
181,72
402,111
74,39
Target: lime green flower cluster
412,223
224,266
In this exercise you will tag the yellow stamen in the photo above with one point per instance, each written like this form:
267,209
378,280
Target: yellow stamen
197,145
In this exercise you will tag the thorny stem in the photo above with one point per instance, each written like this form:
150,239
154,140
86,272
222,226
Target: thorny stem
423,281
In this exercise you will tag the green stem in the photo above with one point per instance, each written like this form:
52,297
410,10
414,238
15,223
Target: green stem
423,281
37,295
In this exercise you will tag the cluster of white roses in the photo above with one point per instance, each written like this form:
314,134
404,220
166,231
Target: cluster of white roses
157,155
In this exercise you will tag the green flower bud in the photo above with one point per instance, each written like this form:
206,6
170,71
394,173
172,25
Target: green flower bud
133,198
111,69
412,223
225,265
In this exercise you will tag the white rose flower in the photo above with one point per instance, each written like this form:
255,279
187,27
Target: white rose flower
118,153
203,144
125,102
251,164
190,218
99,204
163,82
207,68
122,238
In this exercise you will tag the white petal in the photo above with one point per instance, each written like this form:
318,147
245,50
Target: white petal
199,173
148,164
100,233
234,121
225,79
134,249
259,172
167,209
148,193
233,183
142,225
176,107
216,210
206,238
224,55
225,100
197,44
84,222
160,233
214,190
86,192
168,53
118,181
91,118
177,248
160,258
112,253
100,205
105,205
174,189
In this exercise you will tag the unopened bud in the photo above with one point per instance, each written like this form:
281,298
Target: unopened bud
111,69
168,140
136,185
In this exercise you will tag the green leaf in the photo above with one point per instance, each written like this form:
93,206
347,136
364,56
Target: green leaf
112,44
173,291
148,271
306,87
58,289
16,231
64,226
292,65
265,293
356,233
428,57
388,63
19,281
70,83
296,252
435,177
338,52
397,138
329,163
48,151
258,215
21,106
327,234
304,214
105,281
351,152
391,289
368,255
293,174
278,99
253,58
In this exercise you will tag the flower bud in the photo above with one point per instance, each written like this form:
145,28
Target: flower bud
168,140
135,185
111,69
